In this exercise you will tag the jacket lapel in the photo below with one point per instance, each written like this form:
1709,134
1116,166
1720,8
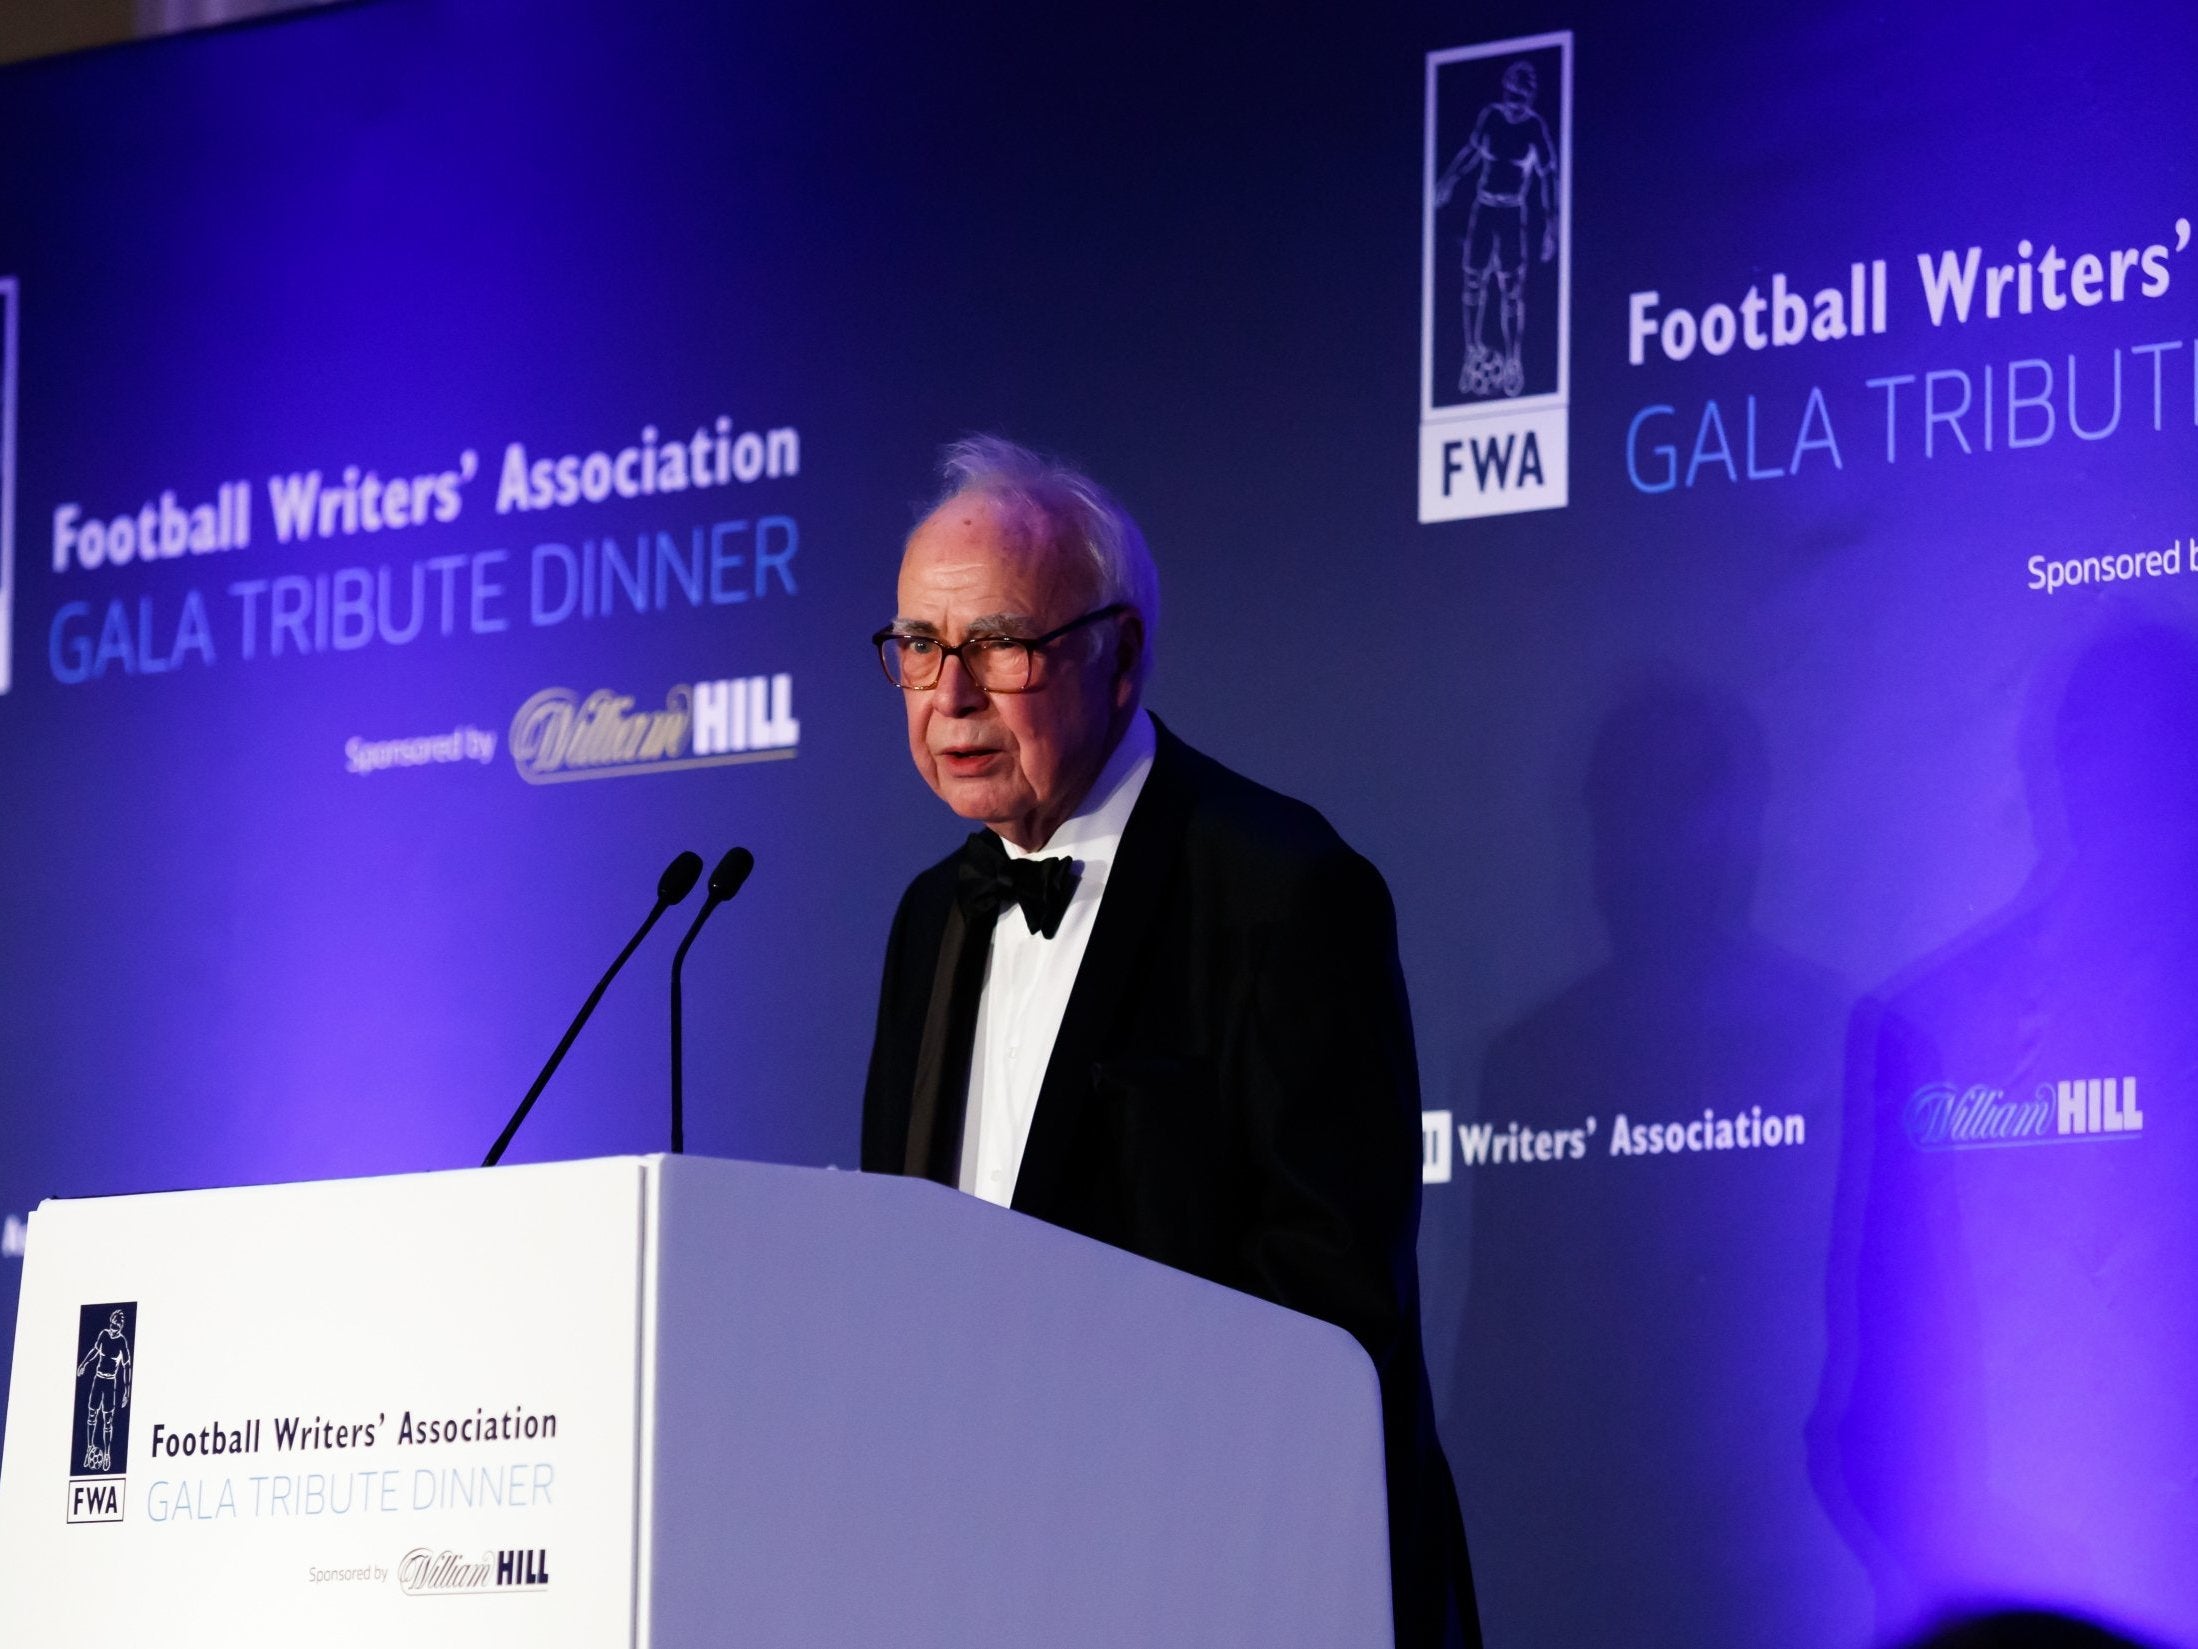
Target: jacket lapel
1136,884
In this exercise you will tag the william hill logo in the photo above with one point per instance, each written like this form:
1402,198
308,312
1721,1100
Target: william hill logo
99,1440
1946,1117
426,1572
558,735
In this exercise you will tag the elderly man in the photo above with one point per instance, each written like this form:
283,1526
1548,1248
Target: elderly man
1150,1001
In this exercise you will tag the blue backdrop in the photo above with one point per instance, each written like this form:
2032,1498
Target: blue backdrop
1791,829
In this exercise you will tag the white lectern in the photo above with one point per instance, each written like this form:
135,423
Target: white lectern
666,1401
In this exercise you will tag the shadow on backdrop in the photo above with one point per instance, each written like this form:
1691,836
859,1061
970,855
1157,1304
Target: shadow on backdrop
2023,1629
1641,1335
2006,1402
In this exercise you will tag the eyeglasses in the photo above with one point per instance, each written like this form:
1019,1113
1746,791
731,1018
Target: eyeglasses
997,664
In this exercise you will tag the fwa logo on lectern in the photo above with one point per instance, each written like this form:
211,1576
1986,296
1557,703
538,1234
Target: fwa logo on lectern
99,1438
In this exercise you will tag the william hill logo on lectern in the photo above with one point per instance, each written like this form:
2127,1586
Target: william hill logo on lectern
559,735
425,1572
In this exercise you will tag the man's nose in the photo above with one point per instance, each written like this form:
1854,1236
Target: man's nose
956,693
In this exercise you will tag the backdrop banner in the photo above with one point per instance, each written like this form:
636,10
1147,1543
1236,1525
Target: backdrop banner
1699,497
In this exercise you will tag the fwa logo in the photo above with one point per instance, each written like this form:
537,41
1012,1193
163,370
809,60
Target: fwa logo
7,480
1496,279
559,735
1945,1116
99,1441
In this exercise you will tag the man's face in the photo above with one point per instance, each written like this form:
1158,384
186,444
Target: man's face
1019,762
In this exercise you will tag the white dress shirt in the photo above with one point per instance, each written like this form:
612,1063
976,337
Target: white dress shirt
1028,977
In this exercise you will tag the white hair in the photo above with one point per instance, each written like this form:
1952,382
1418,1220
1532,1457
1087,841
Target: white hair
1076,513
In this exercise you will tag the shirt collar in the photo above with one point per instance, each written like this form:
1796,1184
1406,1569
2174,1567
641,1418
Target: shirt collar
1095,828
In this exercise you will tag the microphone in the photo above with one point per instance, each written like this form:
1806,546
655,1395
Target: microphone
674,885
725,880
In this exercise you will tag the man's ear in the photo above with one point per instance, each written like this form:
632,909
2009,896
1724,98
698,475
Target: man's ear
1129,650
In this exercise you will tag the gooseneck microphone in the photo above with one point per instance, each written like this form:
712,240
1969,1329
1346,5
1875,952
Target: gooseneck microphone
725,880
674,885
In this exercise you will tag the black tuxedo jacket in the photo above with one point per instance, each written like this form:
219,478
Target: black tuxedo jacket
1233,1092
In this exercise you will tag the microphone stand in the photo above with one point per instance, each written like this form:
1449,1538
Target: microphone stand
678,879
679,1104
725,881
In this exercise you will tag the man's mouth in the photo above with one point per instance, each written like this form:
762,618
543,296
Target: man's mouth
967,761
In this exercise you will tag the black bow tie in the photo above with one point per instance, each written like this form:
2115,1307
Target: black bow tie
988,881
